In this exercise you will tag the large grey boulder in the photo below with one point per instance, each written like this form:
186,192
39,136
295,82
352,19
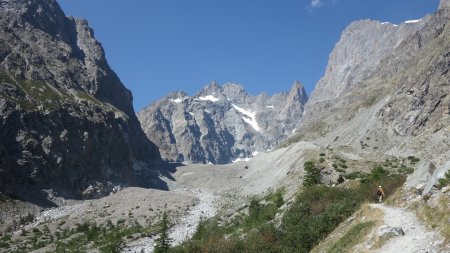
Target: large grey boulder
386,232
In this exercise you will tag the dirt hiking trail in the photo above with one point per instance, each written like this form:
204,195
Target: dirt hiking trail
417,238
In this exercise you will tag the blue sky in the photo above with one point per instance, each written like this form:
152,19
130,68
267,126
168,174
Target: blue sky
159,46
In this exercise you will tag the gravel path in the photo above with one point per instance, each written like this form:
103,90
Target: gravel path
417,237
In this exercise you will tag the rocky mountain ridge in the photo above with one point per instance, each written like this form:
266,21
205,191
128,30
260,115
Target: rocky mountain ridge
68,127
221,123
389,94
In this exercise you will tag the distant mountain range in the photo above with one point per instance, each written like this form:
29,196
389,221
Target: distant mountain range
221,124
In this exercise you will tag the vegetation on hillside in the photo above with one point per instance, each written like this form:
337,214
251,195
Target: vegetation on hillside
82,238
37,95
162,243
315,212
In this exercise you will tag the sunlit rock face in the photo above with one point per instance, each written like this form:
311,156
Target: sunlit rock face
221,123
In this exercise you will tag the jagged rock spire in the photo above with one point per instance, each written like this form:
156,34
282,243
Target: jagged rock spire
298,92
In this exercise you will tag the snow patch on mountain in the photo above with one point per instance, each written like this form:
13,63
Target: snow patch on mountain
209,98
249,117
412,21
179,100
239,159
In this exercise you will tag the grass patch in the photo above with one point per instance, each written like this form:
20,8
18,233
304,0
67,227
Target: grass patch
435,215
39,91
296,138
355,175
41,95
85,96
5,78
445,181
405,170
318,128
352,237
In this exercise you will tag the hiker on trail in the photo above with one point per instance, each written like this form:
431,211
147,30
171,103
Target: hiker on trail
380,194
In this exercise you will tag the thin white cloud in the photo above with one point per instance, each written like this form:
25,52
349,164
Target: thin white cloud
316,4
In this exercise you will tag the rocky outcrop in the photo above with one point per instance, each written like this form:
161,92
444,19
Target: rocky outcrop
67,122
221,123
385,91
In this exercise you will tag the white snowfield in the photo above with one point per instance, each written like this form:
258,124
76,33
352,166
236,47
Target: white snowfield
412,21
249,117
239,159
209,98
245,159
178,100
388,23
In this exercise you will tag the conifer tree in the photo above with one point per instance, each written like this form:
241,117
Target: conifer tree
312,174
162,243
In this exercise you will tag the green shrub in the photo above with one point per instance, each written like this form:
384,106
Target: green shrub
276,197
321,160
413,160
405,170
354,175
377,173
314,214
26,219
445,180
5,238
322,154
312,174
340,170
4,245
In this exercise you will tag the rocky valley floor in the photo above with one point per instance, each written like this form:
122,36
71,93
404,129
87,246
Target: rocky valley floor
195,192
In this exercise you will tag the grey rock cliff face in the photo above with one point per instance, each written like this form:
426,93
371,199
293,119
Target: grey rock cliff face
386,90
67,121
221,123
358,56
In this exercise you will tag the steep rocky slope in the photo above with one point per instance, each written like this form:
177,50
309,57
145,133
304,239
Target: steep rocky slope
389,94
221,123
68,127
